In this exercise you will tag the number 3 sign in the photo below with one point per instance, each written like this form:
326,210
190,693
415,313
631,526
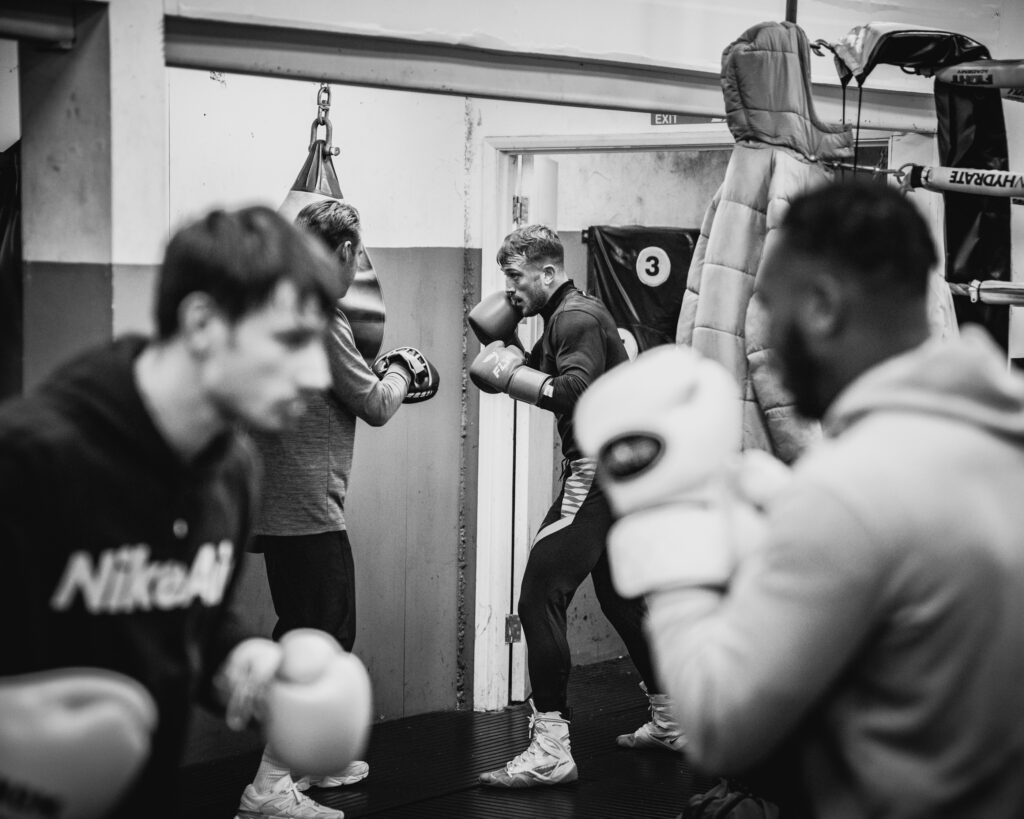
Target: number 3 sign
653,266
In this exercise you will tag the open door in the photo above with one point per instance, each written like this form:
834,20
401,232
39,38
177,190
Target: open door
535,439
517,442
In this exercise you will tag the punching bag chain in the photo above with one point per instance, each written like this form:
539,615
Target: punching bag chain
323,106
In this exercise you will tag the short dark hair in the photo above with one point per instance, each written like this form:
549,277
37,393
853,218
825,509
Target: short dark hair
334,221
238,258
866,228
535,244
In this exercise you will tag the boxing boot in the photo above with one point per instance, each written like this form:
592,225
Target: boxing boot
546,761
661,731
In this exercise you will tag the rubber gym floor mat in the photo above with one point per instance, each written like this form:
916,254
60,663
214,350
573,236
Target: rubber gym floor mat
427,766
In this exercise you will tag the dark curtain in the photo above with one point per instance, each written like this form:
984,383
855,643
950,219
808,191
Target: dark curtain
640,275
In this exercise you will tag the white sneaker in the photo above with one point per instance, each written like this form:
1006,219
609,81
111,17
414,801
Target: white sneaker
285,803
661,731
355,771
546,761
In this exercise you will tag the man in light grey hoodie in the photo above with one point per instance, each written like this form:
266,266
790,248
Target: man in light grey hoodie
878,632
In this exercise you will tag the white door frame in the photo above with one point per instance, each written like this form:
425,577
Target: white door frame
496,479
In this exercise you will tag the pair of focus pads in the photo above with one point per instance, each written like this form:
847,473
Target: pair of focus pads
425,378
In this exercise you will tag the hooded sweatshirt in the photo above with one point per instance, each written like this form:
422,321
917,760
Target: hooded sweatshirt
116,553
881,628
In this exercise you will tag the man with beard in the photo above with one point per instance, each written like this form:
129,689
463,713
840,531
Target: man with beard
877,631
580,342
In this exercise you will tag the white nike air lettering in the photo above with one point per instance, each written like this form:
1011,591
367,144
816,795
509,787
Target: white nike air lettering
124,580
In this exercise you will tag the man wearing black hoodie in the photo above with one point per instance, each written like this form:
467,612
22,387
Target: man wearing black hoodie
128,495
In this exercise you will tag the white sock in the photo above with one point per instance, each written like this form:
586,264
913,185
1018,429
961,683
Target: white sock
270,774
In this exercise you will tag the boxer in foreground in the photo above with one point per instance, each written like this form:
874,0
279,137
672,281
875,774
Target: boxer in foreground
128,501
870,628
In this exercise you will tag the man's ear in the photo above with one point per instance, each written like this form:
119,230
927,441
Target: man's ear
346,251
549,273
824,309
198,319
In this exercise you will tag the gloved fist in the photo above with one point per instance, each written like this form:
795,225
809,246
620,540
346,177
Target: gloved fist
424,378
317,712
664,429
72,741
495,319
498,368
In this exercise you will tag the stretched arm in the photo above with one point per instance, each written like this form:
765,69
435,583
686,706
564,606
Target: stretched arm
355,386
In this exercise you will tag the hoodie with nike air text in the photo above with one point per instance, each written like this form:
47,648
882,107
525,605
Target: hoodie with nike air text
116,554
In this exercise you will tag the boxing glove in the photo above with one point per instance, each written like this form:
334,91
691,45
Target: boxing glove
72,741
665,429
498,368
424,378
495,319
317,709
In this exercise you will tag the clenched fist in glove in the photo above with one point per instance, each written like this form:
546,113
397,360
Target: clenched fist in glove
495,319
71,741
311,697
666,430
424,378
498,368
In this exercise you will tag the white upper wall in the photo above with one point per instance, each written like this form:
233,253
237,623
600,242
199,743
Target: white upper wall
410,161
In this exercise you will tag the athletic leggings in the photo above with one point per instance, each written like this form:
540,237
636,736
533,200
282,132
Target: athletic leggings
312,583
570,545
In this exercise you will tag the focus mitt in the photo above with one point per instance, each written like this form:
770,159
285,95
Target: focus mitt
424,378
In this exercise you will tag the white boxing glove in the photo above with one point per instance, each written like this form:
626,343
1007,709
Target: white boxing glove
72,741
318,708
664,429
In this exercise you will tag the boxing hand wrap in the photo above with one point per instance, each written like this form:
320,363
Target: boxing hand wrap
664,429
424,378
495,319
498,368
72,742
317,712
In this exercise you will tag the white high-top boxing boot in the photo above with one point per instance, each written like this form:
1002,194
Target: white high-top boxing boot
661,731
546,761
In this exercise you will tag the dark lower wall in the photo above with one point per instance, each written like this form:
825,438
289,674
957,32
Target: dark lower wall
411,511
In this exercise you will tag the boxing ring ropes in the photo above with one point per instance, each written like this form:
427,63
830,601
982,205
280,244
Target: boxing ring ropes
959,180
1008,77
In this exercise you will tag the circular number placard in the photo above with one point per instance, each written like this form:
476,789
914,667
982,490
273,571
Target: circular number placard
653,266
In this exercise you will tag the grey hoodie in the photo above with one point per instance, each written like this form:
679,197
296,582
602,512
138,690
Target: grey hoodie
882,626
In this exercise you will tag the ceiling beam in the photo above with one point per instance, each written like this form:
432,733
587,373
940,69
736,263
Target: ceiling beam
383,62
41,21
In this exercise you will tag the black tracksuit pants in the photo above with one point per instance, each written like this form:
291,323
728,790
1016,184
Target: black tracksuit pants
569,545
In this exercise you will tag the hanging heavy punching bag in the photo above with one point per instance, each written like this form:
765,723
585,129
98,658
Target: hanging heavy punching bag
363,305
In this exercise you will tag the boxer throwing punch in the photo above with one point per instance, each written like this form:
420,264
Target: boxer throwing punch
128,495
579,343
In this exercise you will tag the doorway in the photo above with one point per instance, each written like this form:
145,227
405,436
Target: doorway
648,179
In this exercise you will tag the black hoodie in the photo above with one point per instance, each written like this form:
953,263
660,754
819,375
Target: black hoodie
115,552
